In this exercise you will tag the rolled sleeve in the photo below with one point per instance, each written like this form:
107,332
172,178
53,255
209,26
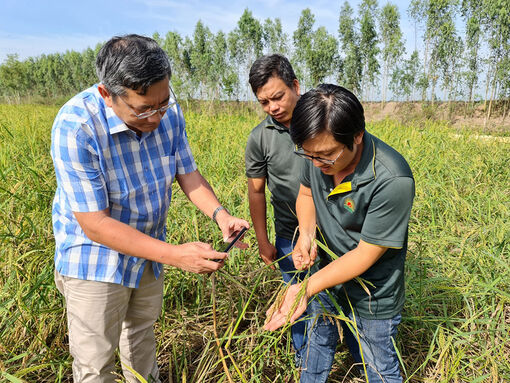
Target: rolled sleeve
304,176
77,169
388,214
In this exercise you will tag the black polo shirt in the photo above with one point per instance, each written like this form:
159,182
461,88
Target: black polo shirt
372,204
269,154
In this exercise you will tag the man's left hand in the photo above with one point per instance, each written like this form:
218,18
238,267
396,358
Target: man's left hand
289,308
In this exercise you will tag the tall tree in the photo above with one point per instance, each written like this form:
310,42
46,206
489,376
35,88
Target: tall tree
472,12
369,49
316,50
350,75
392,44
497,26
246,44
302,38
404,78
201,58
444,44
179,61
322,56
417,11
275,40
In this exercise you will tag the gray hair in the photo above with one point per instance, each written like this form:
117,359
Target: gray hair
131,61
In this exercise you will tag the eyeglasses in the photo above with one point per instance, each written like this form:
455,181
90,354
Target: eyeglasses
320,159
152,112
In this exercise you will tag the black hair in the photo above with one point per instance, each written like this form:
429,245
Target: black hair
269,66
131,61
329,108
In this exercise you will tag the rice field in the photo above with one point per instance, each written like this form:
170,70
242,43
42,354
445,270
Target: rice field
456,321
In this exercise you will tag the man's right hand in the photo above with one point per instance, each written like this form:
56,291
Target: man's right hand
198,257
268,253
304,252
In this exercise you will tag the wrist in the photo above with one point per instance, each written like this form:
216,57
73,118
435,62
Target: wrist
218,212
309,287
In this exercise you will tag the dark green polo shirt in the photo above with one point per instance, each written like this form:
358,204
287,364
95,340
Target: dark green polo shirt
269,153
372,204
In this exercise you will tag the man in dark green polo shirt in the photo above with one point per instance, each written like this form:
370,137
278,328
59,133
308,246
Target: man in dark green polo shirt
358,192
270,159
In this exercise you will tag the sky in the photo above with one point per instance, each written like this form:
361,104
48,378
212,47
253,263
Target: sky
31,28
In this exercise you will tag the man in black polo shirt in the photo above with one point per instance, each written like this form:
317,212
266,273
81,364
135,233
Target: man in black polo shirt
358,192
270,159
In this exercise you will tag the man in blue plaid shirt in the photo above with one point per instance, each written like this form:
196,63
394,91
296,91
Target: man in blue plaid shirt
116,148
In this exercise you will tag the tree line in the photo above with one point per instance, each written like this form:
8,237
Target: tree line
465,55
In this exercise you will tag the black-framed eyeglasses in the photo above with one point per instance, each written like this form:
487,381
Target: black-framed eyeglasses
319,159
152,112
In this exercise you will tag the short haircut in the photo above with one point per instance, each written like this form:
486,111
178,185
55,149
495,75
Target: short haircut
330,108
131,61
269,66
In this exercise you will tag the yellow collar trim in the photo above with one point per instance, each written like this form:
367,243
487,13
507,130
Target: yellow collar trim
341,188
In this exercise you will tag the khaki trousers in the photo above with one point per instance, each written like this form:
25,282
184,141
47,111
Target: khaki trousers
103,316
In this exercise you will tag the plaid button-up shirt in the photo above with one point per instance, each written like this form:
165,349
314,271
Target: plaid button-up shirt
100,163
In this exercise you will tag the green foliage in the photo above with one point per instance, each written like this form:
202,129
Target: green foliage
391,39
316,51
369,49
275,40
404,79
472,12
367,57
350,76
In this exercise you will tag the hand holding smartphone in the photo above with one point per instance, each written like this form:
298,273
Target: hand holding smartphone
239,235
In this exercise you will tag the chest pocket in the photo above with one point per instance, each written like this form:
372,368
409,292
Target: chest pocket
165,171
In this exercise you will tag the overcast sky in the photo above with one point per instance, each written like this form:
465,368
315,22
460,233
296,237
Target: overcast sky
31,28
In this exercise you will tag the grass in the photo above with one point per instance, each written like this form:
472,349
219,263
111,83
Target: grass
456,320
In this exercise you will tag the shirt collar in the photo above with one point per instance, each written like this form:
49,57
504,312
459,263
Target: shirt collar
272,123
364,171
115,124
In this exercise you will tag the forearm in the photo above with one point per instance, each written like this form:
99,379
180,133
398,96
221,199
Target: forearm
349,266
305,210
127,240
199,192
258,215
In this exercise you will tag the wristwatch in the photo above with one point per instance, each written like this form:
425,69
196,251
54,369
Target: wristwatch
218,209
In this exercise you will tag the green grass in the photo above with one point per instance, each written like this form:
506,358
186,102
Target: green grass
456,320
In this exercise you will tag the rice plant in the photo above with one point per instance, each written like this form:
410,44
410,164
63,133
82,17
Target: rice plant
456,319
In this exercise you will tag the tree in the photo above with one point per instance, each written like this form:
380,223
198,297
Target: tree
391,38
14,79
496,23
444,44
322,55
179,62
316,51
472,12
368,46
223,75
302,38
201,57
350,75
417,11
275,40
404,79
246,44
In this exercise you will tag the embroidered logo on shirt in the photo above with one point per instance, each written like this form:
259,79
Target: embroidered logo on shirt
349,205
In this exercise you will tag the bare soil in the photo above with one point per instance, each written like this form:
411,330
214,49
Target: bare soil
457,114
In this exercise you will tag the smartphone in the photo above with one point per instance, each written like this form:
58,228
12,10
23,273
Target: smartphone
228,246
